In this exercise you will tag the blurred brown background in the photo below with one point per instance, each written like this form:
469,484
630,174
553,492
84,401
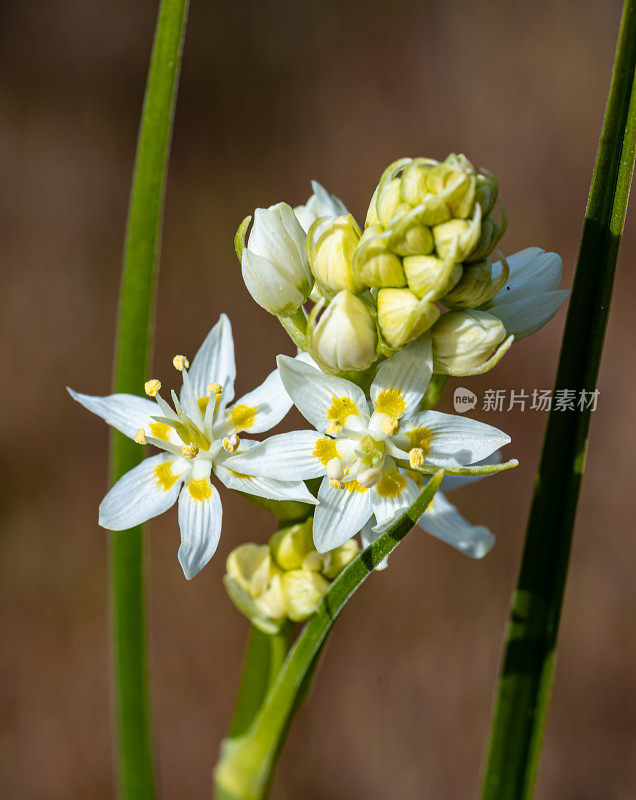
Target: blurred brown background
273,94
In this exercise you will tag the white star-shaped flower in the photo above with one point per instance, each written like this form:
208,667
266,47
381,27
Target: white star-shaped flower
197,437
373,455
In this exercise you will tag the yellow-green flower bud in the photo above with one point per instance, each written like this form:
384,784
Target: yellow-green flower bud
476,286
464,342
344,338
415,180
461,233
373,262
409,237
336,560
290,546
402,317
487,191
330,246
431,277
253,583
250,565
372,213
455,179
491,233
388,200
302,593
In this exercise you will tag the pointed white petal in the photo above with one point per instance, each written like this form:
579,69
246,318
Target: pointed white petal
146,491
126,412
391,497
286,457
525,317
319,397
262,408
444,521
214,362
200,518
452,440
403,378
532,272
264,487
340,515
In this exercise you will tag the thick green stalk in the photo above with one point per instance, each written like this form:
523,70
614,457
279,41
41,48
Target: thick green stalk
133,347
247,762
528,665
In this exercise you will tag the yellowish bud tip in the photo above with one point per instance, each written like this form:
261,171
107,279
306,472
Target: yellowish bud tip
336,484
416,457
189,450
215,388
231,444
390,426
334,427
140,437
179,362
152,387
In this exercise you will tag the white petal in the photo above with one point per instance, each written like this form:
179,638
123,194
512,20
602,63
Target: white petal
524,317
532,271
200,523
286,457
126,412
320,204
389,509
214,362
264,487
262,408
315,393
273,289
142,493
339,516
408,373
444,521
455,440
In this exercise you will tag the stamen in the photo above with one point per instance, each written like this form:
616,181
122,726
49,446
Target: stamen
189,450
215,388
335,470
140,437
231,445
416,457
336,484
152,387
179,362
390,426
334,427
369,477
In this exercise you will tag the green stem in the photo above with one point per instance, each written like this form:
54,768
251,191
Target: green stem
133,347
247,762
434,392
528,665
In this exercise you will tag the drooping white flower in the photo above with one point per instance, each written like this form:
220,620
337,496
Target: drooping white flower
530,298
274,261
320,204
197,437
371,454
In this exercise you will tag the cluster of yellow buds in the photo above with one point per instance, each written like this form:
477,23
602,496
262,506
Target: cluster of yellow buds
285,579
428,235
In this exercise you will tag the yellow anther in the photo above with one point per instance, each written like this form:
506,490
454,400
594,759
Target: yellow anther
336,484
390,426
215,388
179,362
152,387
189,450
334,427
140,437
231,445
416,457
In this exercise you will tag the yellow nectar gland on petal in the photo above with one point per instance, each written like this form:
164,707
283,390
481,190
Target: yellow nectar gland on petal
159,430
354,486
416,457
200,490
231,445
420,438
152,387
336,484
325,450
391,484
390,402
165,476
340,409
334,427
179,362
140,437
242,417
390,426
189,450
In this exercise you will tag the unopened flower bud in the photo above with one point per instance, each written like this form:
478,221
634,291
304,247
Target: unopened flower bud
409,236
374,263
253,583
344,338
464,341
476,286
388,200
274,262
430,276
320,204
491,233
487,191
402,317
290,546
461,233
336,560
331,245
302,593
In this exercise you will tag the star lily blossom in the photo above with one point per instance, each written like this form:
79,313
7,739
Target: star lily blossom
372,454
197,437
